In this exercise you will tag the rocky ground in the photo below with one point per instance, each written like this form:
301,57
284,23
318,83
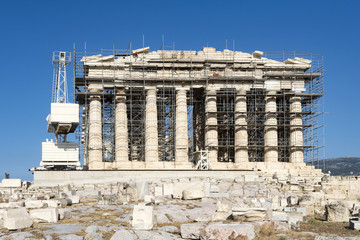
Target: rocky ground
181,209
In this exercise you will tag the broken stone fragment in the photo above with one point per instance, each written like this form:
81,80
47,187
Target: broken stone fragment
228,231
223,206
124,235
65,202
34,204
191,230
193,194
143,217
149,199
337,212
64,214
246,214
17,219
221,216
44,215
11,183
74,199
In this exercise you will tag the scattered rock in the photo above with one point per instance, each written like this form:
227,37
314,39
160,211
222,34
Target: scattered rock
223,206
222,231
124,235
44,215
193,194
337,212
143,217
246,214
11,183
70,237
18,236
65,228
170,229
191,230
17,219
34,204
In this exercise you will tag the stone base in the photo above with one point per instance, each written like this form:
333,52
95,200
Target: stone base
269,167
265,167
54,178
135,165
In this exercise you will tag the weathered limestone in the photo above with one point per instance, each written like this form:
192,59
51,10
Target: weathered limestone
158,191
179,187
44,215
337,212
249,214
74,199
292,218
181,130
151,130
121,130
124,235
168,189
296,131
149,199
11,183
95,134
211,134
52,203
271,136
17,219
143,217
241,135
34,204
191,230
223,211
12,205
193,194
228,231
142,189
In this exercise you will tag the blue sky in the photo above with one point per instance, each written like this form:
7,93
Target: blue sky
32,30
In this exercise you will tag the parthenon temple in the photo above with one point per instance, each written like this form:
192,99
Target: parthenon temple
208,109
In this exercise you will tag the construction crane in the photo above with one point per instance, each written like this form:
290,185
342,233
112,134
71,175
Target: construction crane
64,116
63,119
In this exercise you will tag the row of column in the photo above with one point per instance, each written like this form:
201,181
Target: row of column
181,131
151,130
241,134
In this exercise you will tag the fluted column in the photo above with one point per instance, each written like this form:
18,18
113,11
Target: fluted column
95,134
151,129
211,134
296,131
181,131
121,130
241,135
271,135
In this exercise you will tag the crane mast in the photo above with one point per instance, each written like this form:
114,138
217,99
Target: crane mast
62,120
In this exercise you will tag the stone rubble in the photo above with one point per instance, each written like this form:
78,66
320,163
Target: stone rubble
172,209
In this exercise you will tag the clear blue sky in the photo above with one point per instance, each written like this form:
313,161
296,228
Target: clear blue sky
32,30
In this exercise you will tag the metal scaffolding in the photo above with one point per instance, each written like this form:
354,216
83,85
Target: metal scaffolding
135,88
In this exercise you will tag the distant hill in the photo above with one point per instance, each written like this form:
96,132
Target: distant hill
341,166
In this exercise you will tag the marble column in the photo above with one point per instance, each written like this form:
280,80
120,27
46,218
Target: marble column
296,131
271,135
95,134
121,130
181,127
211,131
241,135
151,128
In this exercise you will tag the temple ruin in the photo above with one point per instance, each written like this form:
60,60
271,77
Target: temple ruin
208,109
